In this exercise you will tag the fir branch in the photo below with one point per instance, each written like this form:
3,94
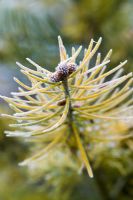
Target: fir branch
59,108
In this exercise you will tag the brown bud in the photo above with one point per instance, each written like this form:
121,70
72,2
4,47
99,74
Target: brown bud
61,102
56,76
63,70
71,68
62,67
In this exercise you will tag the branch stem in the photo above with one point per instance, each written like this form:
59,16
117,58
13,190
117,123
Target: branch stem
73,130
67,95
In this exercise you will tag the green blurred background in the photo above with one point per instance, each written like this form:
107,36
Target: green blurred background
30,28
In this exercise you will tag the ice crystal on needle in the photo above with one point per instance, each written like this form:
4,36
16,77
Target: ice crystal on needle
59,108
